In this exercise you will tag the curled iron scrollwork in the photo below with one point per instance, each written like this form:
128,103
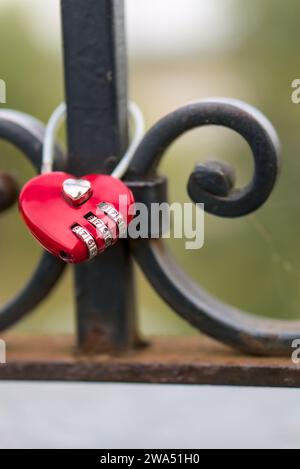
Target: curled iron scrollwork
210,183
213,185
26,134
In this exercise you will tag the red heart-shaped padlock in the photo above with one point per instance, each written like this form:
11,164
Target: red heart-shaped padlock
75,219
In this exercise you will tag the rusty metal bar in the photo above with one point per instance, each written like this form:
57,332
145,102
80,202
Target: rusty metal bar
96,94
172,360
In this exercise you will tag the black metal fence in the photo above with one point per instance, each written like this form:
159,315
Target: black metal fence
109,346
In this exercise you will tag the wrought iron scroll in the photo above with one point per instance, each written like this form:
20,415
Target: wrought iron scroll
213,185
26,133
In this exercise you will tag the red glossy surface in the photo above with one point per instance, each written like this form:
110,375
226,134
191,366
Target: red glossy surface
50,217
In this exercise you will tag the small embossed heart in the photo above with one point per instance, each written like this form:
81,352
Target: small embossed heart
77,191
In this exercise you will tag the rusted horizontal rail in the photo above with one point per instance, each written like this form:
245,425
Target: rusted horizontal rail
167,360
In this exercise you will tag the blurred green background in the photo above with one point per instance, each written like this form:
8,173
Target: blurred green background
252,263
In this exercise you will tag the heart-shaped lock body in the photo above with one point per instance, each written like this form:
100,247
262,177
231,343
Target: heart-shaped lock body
75,219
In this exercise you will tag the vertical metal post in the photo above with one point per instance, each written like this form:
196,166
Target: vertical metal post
96,95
